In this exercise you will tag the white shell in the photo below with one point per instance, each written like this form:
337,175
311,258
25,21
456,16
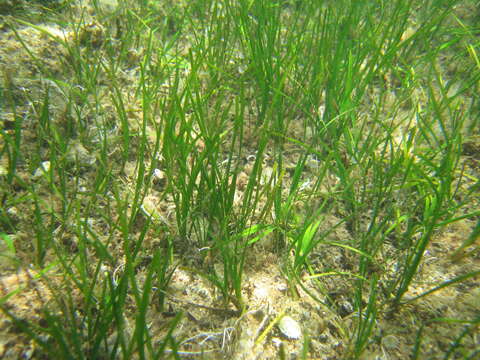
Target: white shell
290,328
43,169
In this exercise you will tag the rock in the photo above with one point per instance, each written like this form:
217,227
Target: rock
290,328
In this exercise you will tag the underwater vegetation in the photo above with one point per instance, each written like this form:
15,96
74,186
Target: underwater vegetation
239,179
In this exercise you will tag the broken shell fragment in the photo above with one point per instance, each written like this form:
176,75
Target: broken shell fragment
43,169
290,328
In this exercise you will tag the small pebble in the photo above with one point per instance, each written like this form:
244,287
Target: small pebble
390,342
290,328
159,178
